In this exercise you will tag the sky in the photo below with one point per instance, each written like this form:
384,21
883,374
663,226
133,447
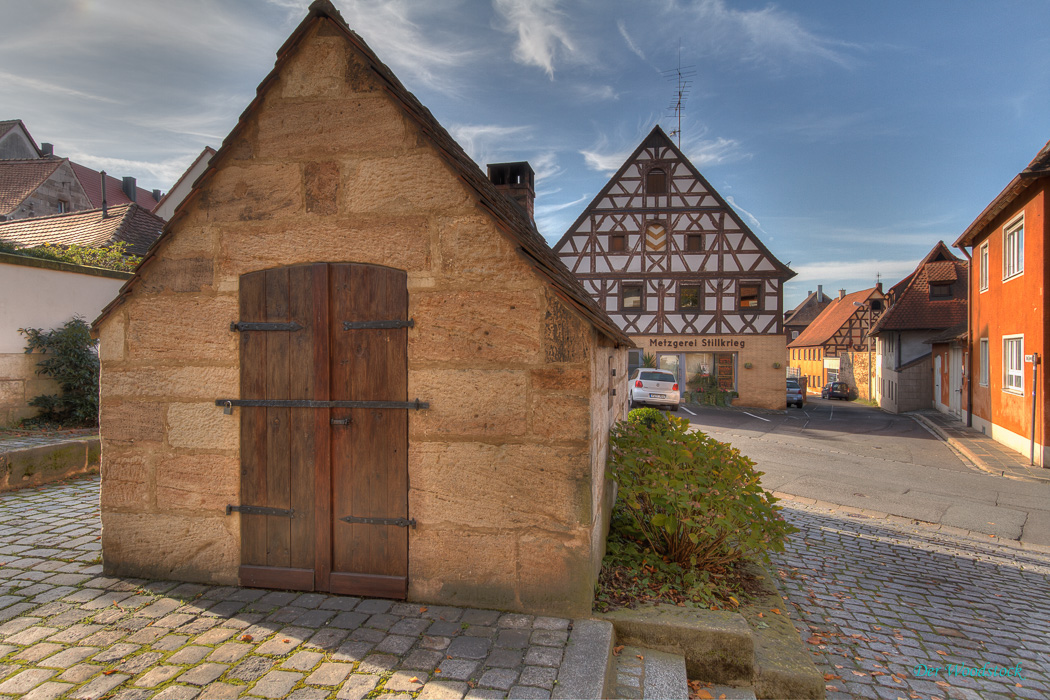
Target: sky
850,136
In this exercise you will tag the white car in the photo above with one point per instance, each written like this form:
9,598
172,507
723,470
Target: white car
654,387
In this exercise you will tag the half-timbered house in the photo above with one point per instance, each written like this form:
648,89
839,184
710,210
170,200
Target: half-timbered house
842,327
351,364
677,269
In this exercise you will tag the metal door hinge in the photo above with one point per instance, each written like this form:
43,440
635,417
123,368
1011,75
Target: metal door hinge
362,325
267,326
416,405
400,522
261,510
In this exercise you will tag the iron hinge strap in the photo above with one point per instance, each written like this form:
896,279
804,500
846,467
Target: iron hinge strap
361,325
416,405
261,510
400,522
264,326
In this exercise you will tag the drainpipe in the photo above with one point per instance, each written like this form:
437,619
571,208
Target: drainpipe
969,337
1035,390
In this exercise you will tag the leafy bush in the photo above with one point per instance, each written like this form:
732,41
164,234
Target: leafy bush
646,416
706,391
649,360
111,257
690,499
70,359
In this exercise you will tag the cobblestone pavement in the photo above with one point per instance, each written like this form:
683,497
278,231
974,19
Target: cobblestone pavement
882,600
68,631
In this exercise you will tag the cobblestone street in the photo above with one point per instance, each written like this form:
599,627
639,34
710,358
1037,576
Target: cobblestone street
884,599
67,631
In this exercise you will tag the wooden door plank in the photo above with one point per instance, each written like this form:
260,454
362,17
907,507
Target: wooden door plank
253,419
285,578
278,473
340,359
379,445
322,479
371,585
301,421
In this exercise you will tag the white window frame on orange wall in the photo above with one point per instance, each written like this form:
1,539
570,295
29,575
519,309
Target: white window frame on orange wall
984,266
1013,374
1013,248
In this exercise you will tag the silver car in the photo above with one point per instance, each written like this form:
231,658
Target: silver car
795,394
654,387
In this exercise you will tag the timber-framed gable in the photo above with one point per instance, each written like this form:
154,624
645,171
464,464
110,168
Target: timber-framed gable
658,226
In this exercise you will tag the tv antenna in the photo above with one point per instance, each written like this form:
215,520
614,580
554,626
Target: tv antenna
682,77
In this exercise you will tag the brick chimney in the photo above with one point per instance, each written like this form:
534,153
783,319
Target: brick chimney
517,181
842,293
47,150
130,188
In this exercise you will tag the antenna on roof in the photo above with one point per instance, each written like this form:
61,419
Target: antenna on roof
682,77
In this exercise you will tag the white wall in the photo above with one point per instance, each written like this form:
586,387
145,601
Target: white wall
183,187
37,297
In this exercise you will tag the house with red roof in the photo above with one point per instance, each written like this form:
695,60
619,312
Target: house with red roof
799,318
922,306
842,327
1009,321
92,228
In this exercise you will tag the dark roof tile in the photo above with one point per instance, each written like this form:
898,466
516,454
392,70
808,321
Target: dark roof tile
129,223
20,178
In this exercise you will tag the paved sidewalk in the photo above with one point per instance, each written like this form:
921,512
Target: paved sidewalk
896,611
987,454
68,631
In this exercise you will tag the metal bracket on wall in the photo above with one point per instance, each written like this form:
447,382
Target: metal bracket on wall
267,326
400,522
416,405
261,510
361,325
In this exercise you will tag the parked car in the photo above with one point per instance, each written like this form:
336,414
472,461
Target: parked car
654,387
835,390
795,394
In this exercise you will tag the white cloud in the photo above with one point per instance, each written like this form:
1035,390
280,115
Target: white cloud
852,272
755,223
51,89
539,26
484,142
598,92
605,162
768,36
701,152
630,42
546,167
167,171
398,31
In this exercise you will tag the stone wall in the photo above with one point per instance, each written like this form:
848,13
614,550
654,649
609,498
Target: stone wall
854,368
64,186
909,388
506,468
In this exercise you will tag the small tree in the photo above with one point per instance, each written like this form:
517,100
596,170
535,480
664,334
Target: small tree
71,359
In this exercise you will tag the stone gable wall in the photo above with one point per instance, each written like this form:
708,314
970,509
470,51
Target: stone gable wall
506,469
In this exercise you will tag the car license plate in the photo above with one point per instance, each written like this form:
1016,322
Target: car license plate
657,396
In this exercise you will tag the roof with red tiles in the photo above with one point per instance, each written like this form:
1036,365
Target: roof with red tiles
7,125
91,181
808,310
1038,168
508,216
913,309
832,318
129,223
20,178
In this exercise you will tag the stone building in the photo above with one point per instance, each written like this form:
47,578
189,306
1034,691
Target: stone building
674,265
351,364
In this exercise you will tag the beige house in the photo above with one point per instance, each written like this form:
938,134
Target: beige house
351,364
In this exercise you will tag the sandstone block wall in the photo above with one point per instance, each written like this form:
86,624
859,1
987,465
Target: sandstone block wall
19,383
506,469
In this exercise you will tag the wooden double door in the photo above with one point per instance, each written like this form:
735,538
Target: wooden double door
324,429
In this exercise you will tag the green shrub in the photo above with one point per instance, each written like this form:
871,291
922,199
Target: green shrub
646,416
72,360
690,499
111,257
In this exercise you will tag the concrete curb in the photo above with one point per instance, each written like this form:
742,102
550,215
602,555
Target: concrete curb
587,672
716,644
901,520
960,447
42,464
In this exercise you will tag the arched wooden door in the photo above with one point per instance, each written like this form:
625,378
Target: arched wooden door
324,429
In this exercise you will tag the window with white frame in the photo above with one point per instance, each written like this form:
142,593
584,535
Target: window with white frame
1013,364
1013,248
984,362
984,266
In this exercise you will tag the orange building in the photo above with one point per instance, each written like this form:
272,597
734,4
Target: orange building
1008,319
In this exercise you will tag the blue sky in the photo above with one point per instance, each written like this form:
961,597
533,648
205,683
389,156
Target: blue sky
850,136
